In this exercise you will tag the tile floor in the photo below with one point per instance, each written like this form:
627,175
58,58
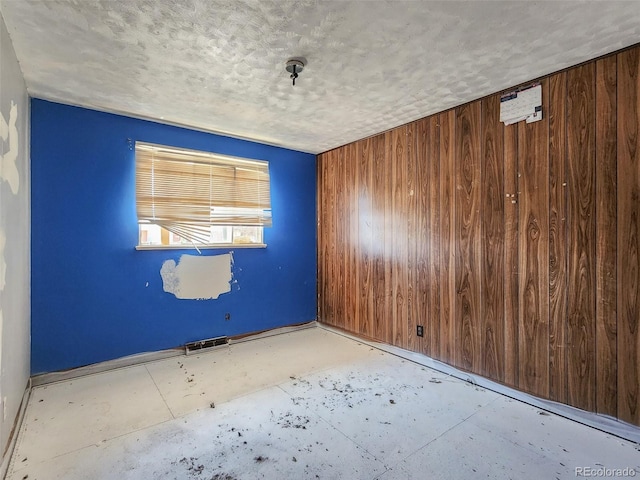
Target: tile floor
309,404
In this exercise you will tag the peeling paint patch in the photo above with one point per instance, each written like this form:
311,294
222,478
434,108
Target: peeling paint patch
9,134
198,277
3,264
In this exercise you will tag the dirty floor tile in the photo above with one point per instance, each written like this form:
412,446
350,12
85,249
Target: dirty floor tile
67,416
308,404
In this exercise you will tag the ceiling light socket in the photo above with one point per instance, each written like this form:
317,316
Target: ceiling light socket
298,64
294,67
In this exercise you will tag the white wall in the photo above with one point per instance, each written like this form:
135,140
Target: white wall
15,237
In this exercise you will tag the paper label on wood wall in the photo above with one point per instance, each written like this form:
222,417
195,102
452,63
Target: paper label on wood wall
523,104
198,277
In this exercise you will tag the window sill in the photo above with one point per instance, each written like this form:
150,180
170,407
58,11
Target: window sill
201,247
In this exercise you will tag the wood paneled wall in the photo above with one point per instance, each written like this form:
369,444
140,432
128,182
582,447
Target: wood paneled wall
517,248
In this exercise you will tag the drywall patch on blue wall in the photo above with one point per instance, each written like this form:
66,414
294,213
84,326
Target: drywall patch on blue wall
197,277
96,298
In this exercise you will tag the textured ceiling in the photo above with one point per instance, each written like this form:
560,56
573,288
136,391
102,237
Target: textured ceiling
218,65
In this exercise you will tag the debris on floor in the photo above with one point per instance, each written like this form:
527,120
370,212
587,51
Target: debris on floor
348,412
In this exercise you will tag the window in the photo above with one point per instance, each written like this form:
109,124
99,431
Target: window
193,198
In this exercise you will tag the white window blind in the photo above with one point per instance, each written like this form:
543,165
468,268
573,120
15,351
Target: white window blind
188,191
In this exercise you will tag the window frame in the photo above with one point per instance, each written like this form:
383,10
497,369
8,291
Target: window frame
145,189
199,246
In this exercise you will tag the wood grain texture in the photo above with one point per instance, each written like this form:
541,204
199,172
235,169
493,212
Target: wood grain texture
347,168
325,231
628,114
365,238
342,232
414,343
321,256
422,237
433,232
335,180
558,243
382,227
467,240
511,257
341,274
400,238
533,335
516,247
492,240
447,122
581,255
606,237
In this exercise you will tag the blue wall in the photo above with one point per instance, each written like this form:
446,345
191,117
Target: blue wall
89,297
